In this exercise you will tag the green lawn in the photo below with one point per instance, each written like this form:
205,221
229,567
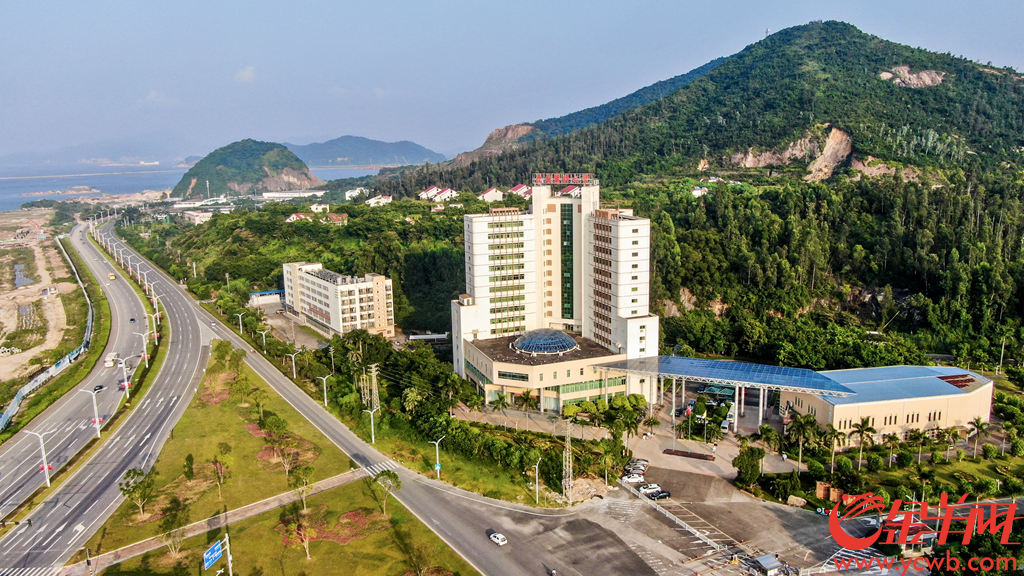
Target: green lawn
258,549
201,432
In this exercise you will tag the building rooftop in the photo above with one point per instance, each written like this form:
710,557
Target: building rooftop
501,350
545,341
903,382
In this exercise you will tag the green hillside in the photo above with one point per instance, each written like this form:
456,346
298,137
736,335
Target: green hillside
355,151
240,167
774,92
597,114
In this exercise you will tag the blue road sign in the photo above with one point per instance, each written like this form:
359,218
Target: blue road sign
437,466
212,555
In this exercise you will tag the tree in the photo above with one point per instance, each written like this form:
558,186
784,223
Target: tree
277,435
240,388
303,533
918,437
260,397
526,401
500,403
864,433
176,518
388,482
748,465
979,427
893,442
220,470
411,398
651,422
770,439
188,468
1009,433
802,429
832,435
303,479
951,436
235,360
137,486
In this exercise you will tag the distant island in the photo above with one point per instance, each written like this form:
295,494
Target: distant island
362,153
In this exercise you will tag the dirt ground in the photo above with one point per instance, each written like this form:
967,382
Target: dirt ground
23,229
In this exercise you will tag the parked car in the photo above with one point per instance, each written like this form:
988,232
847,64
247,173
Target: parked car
637,470
691,404
639,461
499,538
632,478
650,489
660,495
725,426
680,412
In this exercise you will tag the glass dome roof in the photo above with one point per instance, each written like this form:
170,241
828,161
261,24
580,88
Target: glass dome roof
545,341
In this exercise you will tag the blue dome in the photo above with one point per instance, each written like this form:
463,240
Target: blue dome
545,341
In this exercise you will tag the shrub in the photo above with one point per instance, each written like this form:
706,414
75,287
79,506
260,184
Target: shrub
960,454
874,462
938,458
1017,447
989,451
904,459
1014,487
844,465
815,469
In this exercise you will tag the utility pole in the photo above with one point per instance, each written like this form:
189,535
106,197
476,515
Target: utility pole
375,397
567,463
331,350
437,454
42,448
95,412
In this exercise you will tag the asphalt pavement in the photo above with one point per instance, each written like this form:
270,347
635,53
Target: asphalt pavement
65,520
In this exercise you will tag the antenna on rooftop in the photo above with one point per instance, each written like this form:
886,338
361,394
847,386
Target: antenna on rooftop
207,188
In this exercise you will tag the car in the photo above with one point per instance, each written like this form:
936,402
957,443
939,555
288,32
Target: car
132,320
660,495
98,387
640,471
632,465
632,478
691,404
731,416
711,403
499,538
680,412
650,489
725,426
639,461
213,323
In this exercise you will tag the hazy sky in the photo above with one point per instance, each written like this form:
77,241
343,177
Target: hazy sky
198,75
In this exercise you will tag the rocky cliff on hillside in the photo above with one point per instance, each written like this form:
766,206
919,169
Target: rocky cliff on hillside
497,142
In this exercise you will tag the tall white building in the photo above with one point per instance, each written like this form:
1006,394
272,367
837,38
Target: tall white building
565,266
334,303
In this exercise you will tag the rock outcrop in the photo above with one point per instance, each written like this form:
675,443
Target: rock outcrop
901,76
838,147
502,139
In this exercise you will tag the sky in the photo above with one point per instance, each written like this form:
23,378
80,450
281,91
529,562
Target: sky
182,78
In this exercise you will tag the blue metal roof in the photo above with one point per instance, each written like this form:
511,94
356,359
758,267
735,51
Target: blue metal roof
545,341
897,382
755,375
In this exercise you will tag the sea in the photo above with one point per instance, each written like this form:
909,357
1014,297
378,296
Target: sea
18,181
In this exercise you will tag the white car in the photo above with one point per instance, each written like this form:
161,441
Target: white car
639,461
650,489
499,539
632,478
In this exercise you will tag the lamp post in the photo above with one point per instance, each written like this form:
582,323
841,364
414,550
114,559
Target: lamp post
145,354
42,448
536,480
373,434
240,331
95,410
264,334
124,374
293,355
156,335
324,379
437,454
145,276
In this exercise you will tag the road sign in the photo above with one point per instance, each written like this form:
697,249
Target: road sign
437,466
212,555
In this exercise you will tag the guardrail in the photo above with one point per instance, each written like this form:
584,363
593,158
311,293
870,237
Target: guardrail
61,364
696,533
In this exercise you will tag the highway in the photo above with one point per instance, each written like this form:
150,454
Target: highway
67,424
64,521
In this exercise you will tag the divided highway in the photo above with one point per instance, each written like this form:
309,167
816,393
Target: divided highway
63,522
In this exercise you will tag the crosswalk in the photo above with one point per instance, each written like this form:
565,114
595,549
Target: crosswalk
382,466
31,571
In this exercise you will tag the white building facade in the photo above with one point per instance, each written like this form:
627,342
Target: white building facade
337,304
568,265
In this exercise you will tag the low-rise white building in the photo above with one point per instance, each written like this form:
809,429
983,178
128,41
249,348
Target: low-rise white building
521,190
197,218
379,200
491,195
350,194
337,304
445,195
289,194
320,208
429,193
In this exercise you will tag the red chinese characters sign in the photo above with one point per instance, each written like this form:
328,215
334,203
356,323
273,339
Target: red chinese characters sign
549,178
910,527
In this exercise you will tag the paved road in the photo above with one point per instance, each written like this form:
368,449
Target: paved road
73,513
67,424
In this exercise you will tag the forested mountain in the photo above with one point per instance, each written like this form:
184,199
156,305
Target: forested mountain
243,167
899,104
356,151
597,114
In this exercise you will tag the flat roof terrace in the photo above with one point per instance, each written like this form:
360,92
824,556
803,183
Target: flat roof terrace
500,350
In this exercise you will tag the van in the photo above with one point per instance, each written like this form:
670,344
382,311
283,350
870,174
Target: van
725,426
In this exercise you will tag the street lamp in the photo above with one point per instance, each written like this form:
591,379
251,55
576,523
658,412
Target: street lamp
437,454
373,435
324,379
95,411
293,355
42,448
145,276
156,335
240,314
264,334
124,374
145,336
536,480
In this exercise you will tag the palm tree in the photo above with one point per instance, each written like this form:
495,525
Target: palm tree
863,431
1009,432
526,401
802,429
950,435
629,423
893,442
769,440
978,427
833,435
500,403
917,436
651,422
